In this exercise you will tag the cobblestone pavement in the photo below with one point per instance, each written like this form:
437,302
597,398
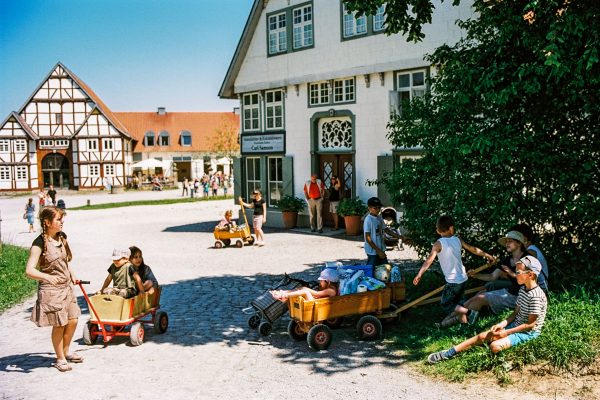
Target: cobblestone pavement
208,351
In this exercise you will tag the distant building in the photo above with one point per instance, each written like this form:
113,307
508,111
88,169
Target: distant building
66,136
317,86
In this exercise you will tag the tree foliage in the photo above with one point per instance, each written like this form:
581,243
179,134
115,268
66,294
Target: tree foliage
224,140
509,131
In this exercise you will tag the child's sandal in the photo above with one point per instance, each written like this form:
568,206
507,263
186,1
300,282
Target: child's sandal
74,358
62,366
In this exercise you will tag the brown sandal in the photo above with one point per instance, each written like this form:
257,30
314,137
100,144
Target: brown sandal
62,366
74,358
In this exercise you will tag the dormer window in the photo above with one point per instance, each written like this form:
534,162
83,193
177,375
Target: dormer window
149,139
163,138
185,138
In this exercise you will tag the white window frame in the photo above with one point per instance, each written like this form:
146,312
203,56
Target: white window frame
21,172
20,146
251,122
153,136
253,184
92,144
302,26
353,26
109,169
277,28
161,135
5,173
46,143
94,170
61,143
344,90
108,144
4,146
413,90
379,19
277,181
274,109
183,135
319,93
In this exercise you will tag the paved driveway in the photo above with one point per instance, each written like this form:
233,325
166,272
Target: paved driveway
208,351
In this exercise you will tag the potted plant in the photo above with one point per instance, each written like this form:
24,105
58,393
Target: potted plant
352,210
290,206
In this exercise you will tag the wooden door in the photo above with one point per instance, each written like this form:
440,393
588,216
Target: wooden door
340,165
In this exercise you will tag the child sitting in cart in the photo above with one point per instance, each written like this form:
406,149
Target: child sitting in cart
328,287
142,274
226,223
120,273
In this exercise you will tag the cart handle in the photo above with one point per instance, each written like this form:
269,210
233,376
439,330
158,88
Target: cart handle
244,212
82,282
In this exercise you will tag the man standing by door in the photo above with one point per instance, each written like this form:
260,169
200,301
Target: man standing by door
313,191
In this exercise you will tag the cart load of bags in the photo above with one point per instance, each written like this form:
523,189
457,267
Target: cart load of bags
362,278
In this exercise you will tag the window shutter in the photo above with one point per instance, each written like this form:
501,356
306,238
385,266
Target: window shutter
288,175
237,180
385,165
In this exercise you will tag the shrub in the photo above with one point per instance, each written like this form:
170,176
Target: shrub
352,207
291,203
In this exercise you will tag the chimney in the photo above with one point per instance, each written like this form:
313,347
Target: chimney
161,111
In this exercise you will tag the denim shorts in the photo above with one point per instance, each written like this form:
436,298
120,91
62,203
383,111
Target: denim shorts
501,300
520,337
452,296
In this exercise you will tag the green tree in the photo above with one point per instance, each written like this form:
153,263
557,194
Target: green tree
510,129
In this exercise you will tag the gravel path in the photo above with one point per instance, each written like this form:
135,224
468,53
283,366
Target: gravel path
208,351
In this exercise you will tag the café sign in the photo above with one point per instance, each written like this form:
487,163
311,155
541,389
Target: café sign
269,143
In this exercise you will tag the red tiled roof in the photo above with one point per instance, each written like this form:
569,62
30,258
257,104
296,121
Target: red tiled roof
201,125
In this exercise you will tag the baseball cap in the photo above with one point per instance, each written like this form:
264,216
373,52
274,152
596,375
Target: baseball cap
512,235
329,274
532,264
374,202
119,253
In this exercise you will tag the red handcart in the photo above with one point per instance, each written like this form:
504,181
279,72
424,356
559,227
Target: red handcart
112,315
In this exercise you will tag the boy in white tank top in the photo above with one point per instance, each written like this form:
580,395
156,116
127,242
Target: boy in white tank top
448,251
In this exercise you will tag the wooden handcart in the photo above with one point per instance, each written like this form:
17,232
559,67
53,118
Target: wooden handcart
239,235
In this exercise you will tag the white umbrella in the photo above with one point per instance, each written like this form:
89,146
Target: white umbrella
149,163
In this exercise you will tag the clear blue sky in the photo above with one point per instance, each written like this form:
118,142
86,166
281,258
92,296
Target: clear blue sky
136,55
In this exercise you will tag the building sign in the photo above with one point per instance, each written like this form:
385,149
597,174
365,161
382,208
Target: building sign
268,143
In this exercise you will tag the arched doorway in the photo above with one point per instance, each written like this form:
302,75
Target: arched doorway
55,171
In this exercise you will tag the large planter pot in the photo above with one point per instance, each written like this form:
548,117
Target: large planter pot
352,223
289,219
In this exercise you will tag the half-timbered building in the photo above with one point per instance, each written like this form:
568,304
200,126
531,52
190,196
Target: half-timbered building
64,135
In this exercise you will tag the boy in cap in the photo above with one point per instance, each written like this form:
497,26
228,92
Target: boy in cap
373,233
523,325
120,273
328,287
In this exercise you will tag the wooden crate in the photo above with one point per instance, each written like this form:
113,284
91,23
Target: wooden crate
113,308
313,311
398,291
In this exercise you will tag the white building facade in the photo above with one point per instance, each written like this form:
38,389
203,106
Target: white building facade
317,86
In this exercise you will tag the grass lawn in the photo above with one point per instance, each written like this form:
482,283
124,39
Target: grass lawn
14,284
569,338
149,202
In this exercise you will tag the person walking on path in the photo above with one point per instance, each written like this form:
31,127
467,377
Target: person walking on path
334,201
260,215
30,214
186,185
313,191
42,198
52,194
56,304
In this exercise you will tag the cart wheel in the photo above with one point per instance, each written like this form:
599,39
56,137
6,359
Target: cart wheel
218,245
334,322
89,338
226,242
369,328
391,320
265,328
254,321
136,334
250,240
239,244
319,337
295,331
161,322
